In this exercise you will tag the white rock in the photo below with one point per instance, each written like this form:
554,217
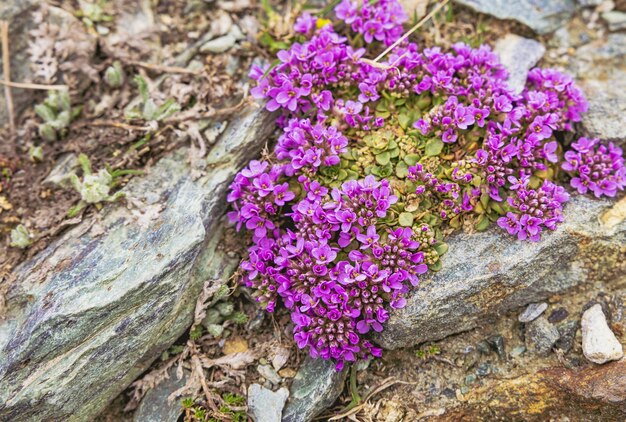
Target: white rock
219,45
599,343
518,55
266,405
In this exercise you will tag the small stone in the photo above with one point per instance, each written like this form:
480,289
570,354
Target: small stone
155,406
518,351
235,345
599,343
269,374
266,405
615,19
567,331
287,372
315,387
483,347
464,390
541,336
449,393
558,315
219,45
62,172
280,358
518,55
470,379
532,312
483,369
497,344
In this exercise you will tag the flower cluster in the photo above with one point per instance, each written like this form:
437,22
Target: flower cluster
375,21
305,147
376,163
596,167
533,209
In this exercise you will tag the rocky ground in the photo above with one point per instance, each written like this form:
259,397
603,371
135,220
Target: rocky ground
134,303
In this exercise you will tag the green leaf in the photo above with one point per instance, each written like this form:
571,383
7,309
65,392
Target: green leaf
46,113
434,147
411,159
482,223
383,158
167,109
404,120
143,87
441,248
437,266
402,170
405,219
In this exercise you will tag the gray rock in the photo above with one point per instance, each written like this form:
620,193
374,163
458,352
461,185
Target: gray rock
615,19
518,55
269,374
266,405
599,343
542,16
497,344
19,15
156,406
532,312
567,335
518,351
489,274
315,387
62,172
600,71
541,336
219,45
91,312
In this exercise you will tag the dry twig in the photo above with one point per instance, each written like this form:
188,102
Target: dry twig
6,70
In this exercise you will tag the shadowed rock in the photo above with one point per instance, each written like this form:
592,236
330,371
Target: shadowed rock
92,311
488,274
315,387
542,16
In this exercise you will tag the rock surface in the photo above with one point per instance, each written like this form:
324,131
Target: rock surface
532,312
315,387
599,343
518,55
592,393
19,15
266,405
542,16
541,336
600,69
490,273
92,311
156,406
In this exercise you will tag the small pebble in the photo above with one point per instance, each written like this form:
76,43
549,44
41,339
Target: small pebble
449,393
219,45
532,312
541,336
567,331
269,374
558,315
497,344
483,370
599,343
518,351
470,379
266,405
483,347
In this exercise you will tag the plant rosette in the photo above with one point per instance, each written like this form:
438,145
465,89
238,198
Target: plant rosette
378,162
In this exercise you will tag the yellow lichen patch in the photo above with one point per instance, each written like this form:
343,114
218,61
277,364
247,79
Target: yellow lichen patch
615,215
5,205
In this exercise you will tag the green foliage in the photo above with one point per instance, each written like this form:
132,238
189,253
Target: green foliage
149,110
95,188
114,75
21,237
57,113
428,352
